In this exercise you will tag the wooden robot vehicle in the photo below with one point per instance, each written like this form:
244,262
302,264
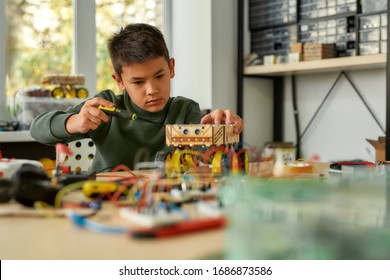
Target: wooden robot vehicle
66,85
189,145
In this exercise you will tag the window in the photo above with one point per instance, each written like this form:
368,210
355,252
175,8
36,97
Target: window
38,37
110,16
38,41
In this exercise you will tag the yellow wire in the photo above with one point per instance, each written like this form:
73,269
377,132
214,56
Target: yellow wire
131,194
65,190
45,209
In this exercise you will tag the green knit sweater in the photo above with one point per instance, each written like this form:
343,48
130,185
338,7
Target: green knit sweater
119,141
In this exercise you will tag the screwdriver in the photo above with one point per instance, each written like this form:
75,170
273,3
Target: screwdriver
114,111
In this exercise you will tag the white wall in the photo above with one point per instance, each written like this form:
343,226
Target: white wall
339,131
341,127
84,46
224,53
204,44
258,112
257,101
191,48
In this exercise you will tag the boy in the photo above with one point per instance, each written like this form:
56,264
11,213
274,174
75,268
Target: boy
142,71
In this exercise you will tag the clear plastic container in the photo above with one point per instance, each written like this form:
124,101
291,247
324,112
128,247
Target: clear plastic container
368,22
369,6
331,219
369,35
332,11
383,46
369,48
383,19
27,108
384,33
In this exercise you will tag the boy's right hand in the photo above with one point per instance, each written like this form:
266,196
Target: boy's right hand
89,117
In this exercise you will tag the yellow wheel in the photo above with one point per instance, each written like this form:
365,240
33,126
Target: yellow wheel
58,92
240,162
82,93
245,161
216,164
235,163
175,165
168,163
220,163
187,160
71,93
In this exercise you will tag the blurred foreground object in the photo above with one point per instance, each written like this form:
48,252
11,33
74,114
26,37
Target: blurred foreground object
337,218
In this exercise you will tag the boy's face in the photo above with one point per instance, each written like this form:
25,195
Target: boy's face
148,83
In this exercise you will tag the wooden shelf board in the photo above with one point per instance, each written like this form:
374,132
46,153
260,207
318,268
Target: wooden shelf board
16,136
319,66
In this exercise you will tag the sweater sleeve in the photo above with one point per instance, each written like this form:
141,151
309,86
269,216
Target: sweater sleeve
193,113
49,127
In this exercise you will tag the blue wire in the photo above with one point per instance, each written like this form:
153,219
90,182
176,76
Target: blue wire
83,222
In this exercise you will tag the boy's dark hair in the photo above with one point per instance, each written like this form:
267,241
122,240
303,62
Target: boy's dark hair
136,43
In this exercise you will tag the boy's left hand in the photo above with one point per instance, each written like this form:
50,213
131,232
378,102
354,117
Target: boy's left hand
220,116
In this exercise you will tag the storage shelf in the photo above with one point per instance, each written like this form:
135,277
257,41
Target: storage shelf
319,66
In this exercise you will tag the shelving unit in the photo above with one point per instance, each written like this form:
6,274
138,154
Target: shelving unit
279,71
319,66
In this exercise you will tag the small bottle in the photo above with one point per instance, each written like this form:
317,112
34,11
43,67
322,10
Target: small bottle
279,166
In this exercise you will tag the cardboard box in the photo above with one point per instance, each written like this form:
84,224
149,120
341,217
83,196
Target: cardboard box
317,51
380,148
296,47
311,51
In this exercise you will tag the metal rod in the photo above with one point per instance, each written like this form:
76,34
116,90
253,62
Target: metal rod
240,61
321,105
296,117
364,102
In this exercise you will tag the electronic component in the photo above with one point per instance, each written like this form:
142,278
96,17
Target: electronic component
9,126
73,177
9,166
160,218
181,228
93,189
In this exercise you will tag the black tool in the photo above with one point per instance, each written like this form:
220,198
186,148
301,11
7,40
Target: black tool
114,111
31,184
5,188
